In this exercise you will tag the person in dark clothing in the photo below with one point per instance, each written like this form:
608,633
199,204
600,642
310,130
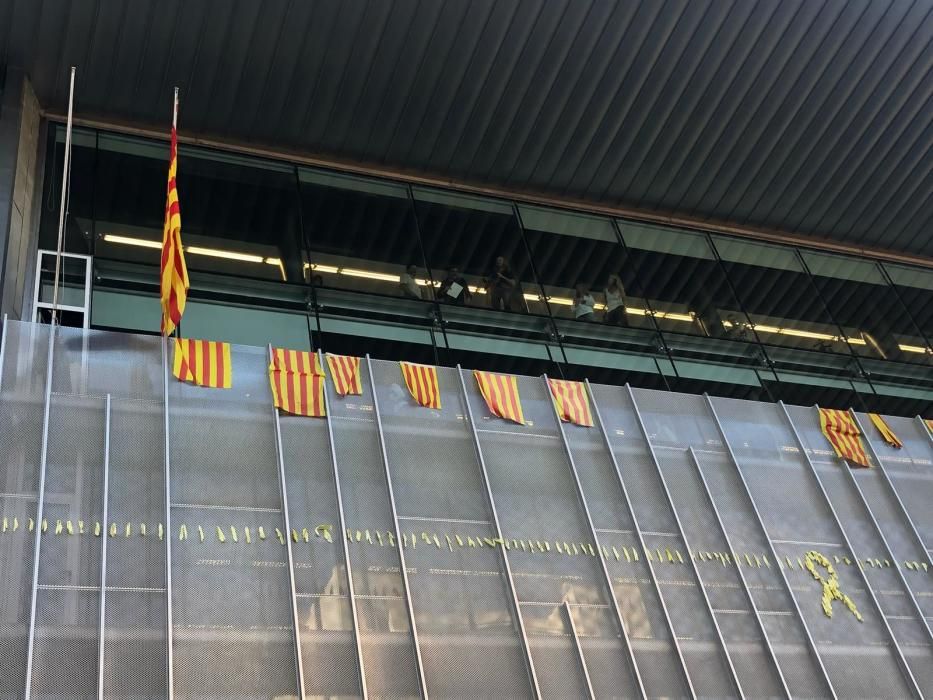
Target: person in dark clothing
501,286
454,289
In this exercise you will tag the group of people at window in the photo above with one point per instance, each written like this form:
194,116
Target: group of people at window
504,292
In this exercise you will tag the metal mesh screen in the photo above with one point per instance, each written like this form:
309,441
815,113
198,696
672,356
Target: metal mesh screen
134,626
325,619
97,363
233,627
778,476
65,652
532,482
21,407
385,633
460,597
233,632
911,472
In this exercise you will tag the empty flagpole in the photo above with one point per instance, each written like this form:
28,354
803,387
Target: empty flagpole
66,183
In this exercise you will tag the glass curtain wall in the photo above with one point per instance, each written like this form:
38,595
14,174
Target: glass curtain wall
304,257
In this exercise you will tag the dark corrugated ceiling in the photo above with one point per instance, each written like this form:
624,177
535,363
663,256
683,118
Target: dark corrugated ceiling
809,116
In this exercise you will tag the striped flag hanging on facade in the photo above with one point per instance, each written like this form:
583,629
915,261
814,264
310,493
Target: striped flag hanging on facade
173,281
203,362
571,401
421,381
845,437
886,433
501,394
297,381
345,372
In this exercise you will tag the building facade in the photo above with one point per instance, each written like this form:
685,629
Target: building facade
714,217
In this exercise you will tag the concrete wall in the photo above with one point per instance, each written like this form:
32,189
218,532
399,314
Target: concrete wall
20,189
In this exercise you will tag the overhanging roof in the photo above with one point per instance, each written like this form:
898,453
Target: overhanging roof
806,116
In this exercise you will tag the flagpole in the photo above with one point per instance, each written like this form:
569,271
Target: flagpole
66,182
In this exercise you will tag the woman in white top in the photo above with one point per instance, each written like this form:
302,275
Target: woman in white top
583,303
615,302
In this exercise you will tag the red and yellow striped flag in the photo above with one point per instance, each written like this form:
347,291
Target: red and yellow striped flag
203,362
345,371
421,381
844,436
501,394
297,381
571,401
173,281
886,433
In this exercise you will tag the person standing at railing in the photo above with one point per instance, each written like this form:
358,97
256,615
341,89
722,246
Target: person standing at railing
454,289
501,285
583,303
615,301
408,284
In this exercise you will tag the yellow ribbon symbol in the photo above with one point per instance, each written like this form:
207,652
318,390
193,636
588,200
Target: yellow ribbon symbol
831,590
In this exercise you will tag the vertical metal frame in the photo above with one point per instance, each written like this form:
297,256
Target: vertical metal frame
607,578
105,515
641,542
283,493
40,507
683,536
529,661
2,348
579,650
169,631
398,532
905,668
880,530
925,429
764,529
748,592
343,542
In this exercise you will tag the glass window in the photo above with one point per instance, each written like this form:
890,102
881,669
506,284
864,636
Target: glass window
79,225
914,286
583,268
474,248
239,215
685,286
867,307
784,306
362,236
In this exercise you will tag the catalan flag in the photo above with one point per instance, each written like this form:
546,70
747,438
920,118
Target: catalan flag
173,282
297,381
345,371
886,433
843,434
501,394
571,402
203,362
421,381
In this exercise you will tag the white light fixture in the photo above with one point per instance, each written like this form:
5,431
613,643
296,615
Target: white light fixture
366,274
797,333
127,240
915,348
224,254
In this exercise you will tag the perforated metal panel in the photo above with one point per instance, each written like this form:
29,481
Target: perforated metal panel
233,632
21,402
779,476
325,620
461,600
385,633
